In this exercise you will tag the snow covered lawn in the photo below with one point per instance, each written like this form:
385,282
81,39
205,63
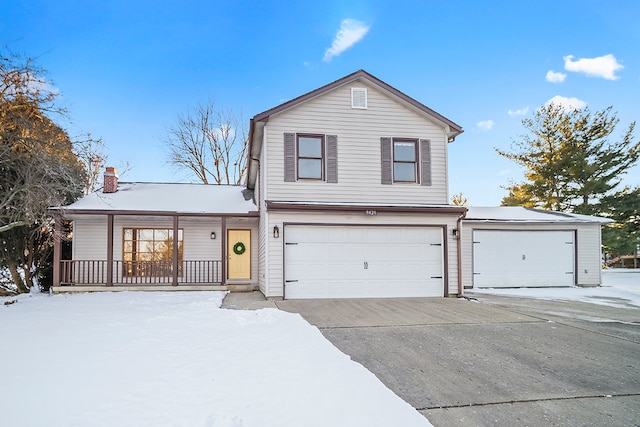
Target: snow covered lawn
620,288
177,359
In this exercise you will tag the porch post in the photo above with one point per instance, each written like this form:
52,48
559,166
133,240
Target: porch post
57,250
223,242
175,250
109,250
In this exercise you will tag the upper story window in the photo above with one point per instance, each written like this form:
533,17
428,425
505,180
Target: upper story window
310,152
310,157
405,160
405,165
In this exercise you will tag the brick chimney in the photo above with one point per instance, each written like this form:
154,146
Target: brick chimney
110,180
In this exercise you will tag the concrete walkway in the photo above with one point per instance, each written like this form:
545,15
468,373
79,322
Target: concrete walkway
492,362
247,301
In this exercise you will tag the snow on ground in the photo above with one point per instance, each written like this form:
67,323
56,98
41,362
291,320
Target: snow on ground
177,359
620,288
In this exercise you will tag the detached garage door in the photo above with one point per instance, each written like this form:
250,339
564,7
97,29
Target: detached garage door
362,262
508,259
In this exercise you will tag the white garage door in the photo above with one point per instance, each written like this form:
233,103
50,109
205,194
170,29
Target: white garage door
362,262
507,259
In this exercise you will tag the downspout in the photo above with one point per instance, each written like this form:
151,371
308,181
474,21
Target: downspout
459,236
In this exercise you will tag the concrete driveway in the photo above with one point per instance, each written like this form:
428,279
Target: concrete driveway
497,361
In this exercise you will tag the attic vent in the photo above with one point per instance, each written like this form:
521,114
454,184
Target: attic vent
358,97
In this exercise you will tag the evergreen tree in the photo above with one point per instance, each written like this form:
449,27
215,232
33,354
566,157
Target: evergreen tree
623,236
569,160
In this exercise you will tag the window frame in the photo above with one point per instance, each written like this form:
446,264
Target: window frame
415,162
322,157
135,267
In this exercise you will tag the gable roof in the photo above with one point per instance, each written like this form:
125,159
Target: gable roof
361,74
258,121
165,199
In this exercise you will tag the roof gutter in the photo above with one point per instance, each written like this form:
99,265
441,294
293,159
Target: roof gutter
70,212
368,209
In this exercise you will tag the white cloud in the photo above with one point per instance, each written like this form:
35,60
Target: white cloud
351,32
601,66
519,112
485,125
567,103
554,77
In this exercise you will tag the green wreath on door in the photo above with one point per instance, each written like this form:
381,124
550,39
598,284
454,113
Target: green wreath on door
239,248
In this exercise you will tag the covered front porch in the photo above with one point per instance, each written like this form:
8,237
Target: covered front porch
141,249
206,257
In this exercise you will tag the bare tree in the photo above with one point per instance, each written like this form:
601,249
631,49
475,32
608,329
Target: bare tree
91,153
38,168
35,153
211,143
459,200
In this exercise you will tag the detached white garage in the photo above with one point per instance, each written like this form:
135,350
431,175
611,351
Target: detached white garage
347,261
508,247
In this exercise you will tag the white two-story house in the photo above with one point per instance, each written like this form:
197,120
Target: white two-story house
351,184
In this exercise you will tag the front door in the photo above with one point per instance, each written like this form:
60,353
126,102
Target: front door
239,254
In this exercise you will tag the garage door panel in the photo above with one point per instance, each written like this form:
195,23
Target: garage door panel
351,289
523,258
363,262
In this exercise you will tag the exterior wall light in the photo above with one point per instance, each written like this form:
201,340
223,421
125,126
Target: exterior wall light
276,231
455,233
213,235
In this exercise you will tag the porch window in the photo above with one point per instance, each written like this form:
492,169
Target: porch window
148,252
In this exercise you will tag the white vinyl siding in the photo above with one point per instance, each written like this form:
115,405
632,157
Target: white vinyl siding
263,229
90,239
263,249
589,270
358,132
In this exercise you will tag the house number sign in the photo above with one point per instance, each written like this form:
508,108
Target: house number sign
371,212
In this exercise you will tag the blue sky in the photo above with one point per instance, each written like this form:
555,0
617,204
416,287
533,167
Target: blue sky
125,69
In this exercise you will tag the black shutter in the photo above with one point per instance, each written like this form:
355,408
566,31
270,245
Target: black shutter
385,155
289,157
425,171
332,159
